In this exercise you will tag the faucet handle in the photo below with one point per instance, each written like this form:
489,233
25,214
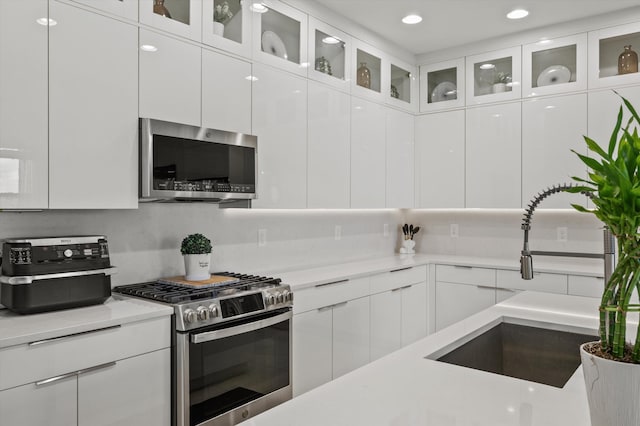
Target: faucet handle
526,266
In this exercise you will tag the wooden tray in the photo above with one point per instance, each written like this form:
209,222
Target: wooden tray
215,280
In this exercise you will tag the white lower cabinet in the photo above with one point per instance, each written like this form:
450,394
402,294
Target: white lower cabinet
586,286
414,313
455,302
351,331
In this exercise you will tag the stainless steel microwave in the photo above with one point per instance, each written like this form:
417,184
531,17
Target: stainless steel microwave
179,162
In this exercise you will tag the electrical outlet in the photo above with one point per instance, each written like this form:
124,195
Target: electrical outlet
454,230
385,230
562,234
262,237
337,232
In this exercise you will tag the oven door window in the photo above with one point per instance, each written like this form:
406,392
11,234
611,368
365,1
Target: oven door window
229,372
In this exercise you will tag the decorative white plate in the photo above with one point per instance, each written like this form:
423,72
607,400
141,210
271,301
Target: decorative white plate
555,74
273,44
444,91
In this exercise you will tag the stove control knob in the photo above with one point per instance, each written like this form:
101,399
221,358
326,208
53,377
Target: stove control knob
189,316
68,253
279,297
271,299
203,313
286,296
213,311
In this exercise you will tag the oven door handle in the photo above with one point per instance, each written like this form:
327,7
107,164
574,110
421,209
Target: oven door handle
245,328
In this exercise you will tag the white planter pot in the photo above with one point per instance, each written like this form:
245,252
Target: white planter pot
613,390
218,28
197,266
499,88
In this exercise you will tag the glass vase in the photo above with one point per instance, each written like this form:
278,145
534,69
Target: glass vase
363,77
627,61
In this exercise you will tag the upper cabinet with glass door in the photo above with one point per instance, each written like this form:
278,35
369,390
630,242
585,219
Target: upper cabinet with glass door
179,17
442,85
329,55
280,36
613,57
226,24
494,76
555,66
402,86
368,75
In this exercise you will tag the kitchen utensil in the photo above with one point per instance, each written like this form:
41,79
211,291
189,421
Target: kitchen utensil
555,74
411,231
415,231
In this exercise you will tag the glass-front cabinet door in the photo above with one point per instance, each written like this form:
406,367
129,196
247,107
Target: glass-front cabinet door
442,85
368,74
554,66
494,76
329,55
280,36
613,56
226,24
402,87
180,17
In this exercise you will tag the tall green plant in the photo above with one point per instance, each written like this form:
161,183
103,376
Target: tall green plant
614,188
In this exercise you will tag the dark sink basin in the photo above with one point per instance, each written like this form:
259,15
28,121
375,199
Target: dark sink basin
531,353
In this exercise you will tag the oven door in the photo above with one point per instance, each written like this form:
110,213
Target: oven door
231,372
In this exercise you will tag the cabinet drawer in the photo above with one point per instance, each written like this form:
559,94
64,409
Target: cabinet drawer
545,282
586,286
44,359
330,293
466,275
398,278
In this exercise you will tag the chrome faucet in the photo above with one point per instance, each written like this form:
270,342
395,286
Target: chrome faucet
526,259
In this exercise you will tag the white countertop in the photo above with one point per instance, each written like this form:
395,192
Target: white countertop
404,388
324,274
16,329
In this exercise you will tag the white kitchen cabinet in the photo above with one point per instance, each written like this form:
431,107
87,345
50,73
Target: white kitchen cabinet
551,128
23,105
603,112
401,88
132,391
542,281
280,36
93,139
170,79
351,335
493,156
368,158
123,8
279,114
455,302
368,74
439,160
400,159
226,93
442,85
605,46
51,404
180,17
414,312
386,323
233,33
580,285
329,55
312,350
328,145
494,76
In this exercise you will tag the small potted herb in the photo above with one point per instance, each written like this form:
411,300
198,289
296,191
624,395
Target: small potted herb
500,82
196,249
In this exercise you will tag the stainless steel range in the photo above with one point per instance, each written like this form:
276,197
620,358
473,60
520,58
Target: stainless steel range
232,353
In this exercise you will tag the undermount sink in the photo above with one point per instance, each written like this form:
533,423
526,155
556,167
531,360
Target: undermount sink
525,352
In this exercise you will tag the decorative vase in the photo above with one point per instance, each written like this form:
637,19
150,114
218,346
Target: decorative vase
613,390
218,28
499,87
627,61
407,247
160,9
196,266
363,77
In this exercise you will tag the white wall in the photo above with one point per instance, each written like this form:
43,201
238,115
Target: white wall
145,243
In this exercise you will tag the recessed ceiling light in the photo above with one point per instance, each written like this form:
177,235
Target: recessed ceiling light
331,40
46,21
517,14
487,66
412,19
258,7
148,48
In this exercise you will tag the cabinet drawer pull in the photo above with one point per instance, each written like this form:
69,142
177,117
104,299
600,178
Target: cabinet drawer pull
55,339
97,367
402,269
485,287
505,289
402,288
326,308
462,267
56,379
332,283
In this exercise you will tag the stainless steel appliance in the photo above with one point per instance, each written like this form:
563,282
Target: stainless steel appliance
232,355
186,163
50,273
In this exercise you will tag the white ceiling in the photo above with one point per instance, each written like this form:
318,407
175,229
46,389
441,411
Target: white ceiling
448,23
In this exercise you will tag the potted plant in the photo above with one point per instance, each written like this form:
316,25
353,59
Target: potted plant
611,365
500,82
196,249
221,15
